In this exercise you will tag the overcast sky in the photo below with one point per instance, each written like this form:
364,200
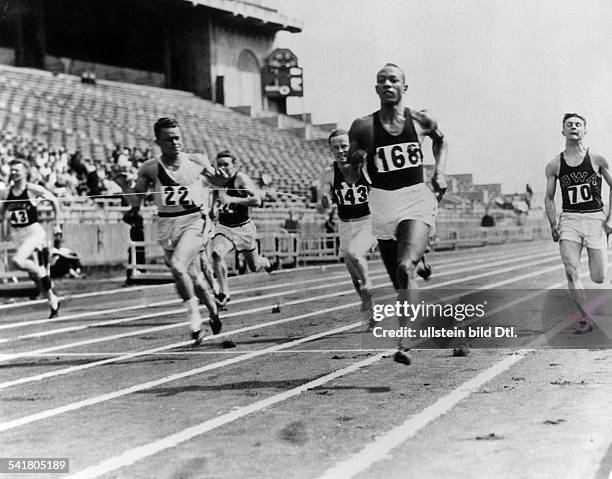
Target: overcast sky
498,74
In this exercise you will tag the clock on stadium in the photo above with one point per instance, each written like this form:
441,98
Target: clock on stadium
281,75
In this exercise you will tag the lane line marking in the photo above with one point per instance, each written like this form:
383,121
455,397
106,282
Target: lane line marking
133,455
380,448
173,377
131,289
81,327
109,396
511,259
59,372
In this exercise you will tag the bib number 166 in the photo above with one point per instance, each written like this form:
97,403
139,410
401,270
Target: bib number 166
398,157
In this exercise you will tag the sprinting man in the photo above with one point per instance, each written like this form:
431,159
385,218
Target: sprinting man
175,179
19,201
582,221
235,229
386,145
355,227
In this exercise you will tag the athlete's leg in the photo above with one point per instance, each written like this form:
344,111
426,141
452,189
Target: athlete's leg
255,261
412,237
23,260
205,294
354,275
570,255
221,246
598,264
186,250
388,253
207,269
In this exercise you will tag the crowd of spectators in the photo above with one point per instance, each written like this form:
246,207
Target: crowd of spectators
69,174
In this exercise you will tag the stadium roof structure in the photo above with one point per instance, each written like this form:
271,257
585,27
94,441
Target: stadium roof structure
254,10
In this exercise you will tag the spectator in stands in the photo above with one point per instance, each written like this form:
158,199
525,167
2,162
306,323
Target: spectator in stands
63,261
487,220
291,225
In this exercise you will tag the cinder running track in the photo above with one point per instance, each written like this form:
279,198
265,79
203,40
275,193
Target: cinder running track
115,385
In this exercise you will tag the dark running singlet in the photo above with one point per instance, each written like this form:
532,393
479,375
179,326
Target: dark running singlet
580,187
352,199
232,214
21,211
395,161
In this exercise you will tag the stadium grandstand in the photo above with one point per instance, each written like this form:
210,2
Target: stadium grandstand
79,104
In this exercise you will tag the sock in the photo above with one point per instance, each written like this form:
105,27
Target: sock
45,283
195,320
53,300
265,262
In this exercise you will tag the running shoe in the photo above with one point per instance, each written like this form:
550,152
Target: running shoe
221,299
366,299
583,327
54,312
215,324
197,336
273,266
423,269
402,356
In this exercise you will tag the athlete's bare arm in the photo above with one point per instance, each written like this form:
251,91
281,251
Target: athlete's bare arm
213,175
604,168
243,182
3,197
360,142
40,192
144,179
428,126
552,173
324,190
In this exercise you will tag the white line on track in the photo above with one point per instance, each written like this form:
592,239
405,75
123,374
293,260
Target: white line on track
133,455
71,369
481,256
473,262
50,332
391,439
158,314
205,353
192,372
380,448
88,402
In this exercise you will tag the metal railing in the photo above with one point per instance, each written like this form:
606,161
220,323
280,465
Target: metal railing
108,244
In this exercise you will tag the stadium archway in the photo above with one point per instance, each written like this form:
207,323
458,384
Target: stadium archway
248,81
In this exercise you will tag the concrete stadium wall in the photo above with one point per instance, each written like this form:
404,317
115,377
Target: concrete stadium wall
227,44
7,56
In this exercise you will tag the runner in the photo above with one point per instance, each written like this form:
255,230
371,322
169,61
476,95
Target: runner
175,180
235,229
386,146
582,221
19,200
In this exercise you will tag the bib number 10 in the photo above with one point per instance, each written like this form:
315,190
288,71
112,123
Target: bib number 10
398,157
579,193
176,195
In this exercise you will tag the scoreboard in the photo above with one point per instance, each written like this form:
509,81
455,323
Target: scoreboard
281,75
